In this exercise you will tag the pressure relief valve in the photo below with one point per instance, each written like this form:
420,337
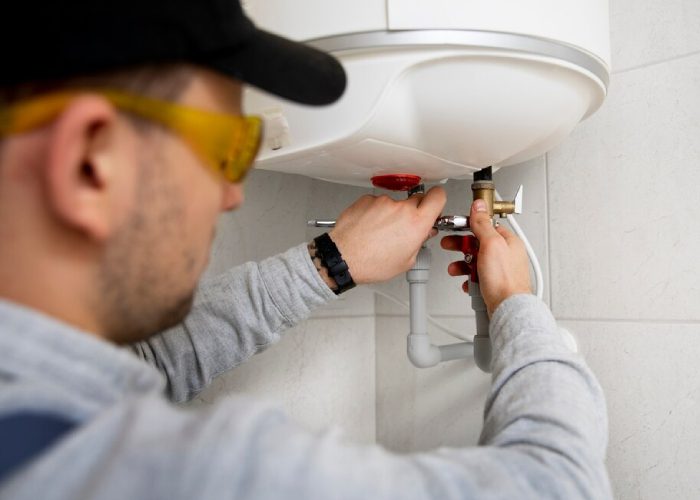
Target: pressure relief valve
483,188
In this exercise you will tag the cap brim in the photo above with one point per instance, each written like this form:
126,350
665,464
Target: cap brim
289,69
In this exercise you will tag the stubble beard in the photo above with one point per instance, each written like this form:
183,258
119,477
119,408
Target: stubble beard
144,286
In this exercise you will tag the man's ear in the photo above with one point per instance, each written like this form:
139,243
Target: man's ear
81,163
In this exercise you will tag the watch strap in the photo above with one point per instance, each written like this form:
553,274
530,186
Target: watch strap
332,260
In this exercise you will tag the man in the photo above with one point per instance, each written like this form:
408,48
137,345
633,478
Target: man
121,141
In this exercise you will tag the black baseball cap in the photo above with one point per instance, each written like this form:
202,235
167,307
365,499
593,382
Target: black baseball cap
47,40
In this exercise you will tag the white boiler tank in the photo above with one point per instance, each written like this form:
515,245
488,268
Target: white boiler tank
436,89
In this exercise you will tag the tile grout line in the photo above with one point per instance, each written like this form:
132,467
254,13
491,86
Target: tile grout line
342,316
375,317
654,63
660,321
548,228
634,321
438,316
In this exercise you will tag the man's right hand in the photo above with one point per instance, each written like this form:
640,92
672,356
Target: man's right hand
379,238
502,265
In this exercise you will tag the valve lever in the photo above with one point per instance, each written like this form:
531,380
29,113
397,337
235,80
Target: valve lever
456,223
519,200
470,249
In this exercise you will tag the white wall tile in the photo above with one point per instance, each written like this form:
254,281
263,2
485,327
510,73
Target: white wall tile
651,379
647,31
623,193
271,219
321,373
420,409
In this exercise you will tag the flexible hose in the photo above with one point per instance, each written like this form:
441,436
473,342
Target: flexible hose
539,280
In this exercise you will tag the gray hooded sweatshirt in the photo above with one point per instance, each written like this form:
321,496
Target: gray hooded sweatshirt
544,433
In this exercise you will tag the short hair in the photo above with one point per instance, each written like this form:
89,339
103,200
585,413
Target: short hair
160,81
163,81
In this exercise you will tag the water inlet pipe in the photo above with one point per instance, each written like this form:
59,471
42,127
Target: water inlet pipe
421,351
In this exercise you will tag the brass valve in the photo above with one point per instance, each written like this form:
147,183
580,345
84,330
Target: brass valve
483,188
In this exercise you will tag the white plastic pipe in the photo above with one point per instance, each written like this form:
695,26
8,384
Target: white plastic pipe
482,341
421,351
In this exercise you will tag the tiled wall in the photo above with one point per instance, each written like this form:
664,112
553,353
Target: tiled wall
322,371
613,214
624,243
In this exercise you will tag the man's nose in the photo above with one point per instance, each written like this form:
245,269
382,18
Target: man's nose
233,196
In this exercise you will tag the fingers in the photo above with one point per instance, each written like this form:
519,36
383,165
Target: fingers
432,203
362,203
415,199
458,268
481,226
365,199
452,243
480,221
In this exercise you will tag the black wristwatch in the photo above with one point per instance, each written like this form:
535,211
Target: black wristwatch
330,258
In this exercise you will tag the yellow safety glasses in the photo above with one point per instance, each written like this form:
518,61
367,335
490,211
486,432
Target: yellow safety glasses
227,144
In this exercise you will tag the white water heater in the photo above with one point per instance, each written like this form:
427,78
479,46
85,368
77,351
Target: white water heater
436,89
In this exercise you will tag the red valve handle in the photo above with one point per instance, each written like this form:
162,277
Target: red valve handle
470,248
396,182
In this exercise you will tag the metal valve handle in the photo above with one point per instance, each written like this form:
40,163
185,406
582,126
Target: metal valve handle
470,249
458,223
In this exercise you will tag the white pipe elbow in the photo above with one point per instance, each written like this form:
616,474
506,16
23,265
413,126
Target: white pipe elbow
482,352
421,352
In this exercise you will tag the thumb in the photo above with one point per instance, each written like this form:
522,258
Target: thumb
480,221
431,205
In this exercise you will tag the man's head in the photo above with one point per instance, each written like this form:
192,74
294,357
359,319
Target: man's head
124,207
107,218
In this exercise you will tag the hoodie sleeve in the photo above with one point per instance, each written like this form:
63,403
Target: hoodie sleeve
235,316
